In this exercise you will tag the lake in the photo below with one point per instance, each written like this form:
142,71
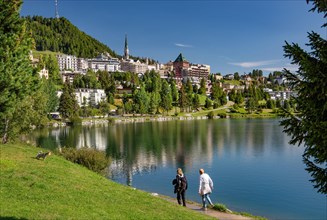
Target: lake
253,167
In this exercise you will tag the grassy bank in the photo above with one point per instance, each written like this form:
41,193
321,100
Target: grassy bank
58,189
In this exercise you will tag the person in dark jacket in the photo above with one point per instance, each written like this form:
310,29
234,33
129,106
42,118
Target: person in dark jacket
180,186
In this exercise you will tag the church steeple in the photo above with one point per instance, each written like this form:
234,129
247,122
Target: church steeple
126,51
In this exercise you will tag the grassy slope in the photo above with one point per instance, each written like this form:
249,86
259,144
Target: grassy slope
58,189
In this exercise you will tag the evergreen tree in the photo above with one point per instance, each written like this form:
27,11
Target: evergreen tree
141,101
251,104
155,102
125,99
50,92
236,76
218,95
310,81
271,104
166,98
208,103
174,91
188,87
196,101
17,82
202,90
51,64
215,91
239,99
68,106
182,98
104,108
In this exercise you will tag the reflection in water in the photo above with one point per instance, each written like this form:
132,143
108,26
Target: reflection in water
141,147
246,159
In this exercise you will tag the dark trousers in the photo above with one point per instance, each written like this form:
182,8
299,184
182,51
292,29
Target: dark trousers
181,194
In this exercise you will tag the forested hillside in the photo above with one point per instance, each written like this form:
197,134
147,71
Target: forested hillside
60,35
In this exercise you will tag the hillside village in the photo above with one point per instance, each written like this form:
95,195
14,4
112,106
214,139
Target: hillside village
180,70
110,83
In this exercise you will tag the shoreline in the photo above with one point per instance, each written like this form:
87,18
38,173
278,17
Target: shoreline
229,215
137,119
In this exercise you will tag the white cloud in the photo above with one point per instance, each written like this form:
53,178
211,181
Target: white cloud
291,68
255,63
182,45
269,65
273,69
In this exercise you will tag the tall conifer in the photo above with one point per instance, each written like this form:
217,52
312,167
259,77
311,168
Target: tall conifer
16,74
309,126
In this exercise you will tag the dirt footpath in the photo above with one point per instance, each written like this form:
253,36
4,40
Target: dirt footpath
211,212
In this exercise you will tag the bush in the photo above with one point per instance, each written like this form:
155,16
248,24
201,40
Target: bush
91,158
211,115
75,120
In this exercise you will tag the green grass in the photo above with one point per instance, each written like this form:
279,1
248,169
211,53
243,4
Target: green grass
250,215
38,54
58,189
220,207
233,82
202,99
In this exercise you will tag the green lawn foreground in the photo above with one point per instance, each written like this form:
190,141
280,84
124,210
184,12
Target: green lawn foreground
58,189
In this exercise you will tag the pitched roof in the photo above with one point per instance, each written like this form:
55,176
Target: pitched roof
180,58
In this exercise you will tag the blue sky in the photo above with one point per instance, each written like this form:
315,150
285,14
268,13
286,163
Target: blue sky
230,36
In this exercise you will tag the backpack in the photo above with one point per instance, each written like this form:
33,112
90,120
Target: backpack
183,183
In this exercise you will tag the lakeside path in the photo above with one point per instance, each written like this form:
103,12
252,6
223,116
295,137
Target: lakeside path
211,212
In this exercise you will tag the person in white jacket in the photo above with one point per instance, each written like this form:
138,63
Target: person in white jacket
205,188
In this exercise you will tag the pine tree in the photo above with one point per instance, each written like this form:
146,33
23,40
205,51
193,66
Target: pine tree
202,89
17,81
182,98
166,98
141,101
309,126
68,106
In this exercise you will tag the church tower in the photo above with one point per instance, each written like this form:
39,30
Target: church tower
126,51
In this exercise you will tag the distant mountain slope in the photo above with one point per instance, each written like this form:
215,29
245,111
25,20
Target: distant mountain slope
60,35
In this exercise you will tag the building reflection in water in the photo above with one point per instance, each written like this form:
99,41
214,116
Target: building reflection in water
137,148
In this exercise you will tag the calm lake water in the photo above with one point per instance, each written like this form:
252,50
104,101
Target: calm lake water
253,167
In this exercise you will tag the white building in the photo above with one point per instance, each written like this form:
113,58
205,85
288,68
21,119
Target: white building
67,62
88,96
104,63
282,95
82,64
44,73
133,67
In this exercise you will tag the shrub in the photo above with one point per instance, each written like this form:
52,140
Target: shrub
111,120
75,120
211,115
91,158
